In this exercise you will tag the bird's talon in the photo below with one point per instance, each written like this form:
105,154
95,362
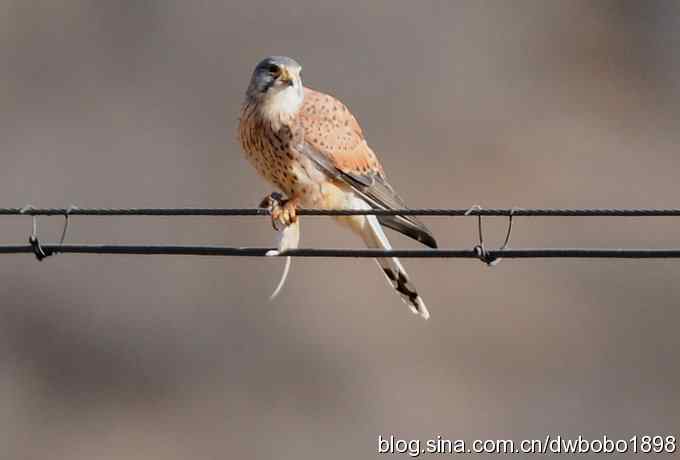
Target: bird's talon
282,211
289,215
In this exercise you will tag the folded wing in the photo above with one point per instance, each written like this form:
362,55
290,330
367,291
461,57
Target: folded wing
334,141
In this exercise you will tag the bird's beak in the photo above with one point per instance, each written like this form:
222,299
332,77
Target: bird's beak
286,77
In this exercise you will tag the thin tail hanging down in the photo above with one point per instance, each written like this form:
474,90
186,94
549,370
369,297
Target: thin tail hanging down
289,238
374,237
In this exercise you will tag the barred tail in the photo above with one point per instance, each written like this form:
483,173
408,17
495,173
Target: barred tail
374,237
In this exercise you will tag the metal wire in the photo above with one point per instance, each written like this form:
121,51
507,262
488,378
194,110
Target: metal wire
528,253
517,212
489,256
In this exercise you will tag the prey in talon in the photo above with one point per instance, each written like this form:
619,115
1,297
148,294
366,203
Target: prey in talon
288,230
310,146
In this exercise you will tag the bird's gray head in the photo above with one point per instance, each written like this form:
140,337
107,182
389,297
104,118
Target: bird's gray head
277,84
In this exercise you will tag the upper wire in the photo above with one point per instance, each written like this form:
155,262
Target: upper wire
517,212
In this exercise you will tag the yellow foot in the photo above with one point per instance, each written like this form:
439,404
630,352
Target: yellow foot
283,211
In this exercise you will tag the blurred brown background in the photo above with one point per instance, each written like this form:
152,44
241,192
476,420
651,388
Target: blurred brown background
528,103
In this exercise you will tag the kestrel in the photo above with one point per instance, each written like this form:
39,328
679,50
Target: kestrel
310,146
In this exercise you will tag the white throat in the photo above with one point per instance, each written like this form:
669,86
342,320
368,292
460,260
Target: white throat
283,102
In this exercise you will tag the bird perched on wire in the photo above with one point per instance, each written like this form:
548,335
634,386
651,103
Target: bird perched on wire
310,146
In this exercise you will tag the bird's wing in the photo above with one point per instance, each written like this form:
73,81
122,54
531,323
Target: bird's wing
333,140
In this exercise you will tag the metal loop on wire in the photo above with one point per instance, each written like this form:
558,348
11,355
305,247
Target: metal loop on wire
33,240
39,252
480,250
66,221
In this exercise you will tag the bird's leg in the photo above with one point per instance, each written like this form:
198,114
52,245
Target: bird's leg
283,211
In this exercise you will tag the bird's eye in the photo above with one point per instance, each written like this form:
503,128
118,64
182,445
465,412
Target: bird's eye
273,69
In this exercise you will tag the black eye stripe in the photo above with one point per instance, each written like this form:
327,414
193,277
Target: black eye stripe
273,68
